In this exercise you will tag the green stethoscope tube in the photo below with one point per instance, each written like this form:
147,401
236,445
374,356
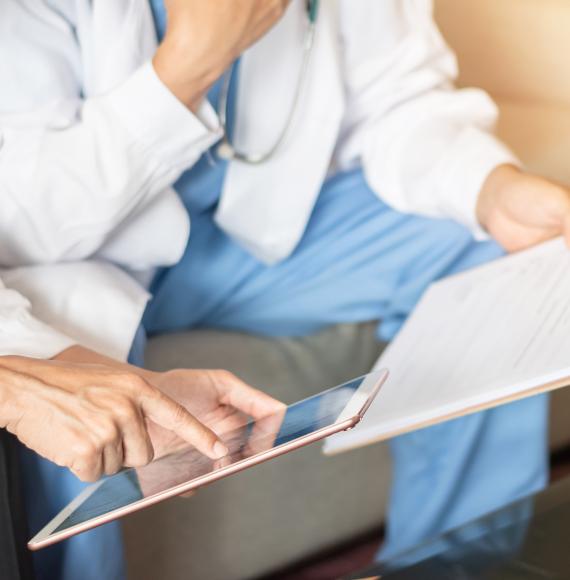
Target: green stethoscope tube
313,10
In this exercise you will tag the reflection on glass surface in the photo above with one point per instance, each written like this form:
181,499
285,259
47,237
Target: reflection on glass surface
526,540
471,552
252,438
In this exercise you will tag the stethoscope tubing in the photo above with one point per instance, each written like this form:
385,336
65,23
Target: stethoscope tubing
226,150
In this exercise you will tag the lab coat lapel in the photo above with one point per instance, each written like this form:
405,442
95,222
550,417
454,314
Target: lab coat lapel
266,207
117,37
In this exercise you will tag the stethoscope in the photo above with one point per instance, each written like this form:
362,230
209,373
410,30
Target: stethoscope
226,150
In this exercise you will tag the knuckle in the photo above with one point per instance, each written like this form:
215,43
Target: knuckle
85,450
225,376
125,410
112,470
109,433
140,455
143,458
85,470
132,382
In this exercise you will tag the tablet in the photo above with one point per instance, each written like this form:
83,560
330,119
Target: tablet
330,412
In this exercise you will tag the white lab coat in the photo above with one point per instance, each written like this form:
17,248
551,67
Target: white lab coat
91,142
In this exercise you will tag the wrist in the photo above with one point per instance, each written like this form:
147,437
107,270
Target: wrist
496,183
17,363
82,355
12,386
187,78
156,379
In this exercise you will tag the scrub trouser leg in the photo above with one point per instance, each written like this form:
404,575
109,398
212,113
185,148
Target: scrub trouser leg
360,260
446,475
449,474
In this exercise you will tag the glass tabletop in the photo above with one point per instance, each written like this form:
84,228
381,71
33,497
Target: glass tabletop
529,539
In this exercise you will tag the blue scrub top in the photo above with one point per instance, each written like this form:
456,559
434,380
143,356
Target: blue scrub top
200,187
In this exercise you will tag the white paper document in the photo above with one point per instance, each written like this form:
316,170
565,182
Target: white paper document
495,333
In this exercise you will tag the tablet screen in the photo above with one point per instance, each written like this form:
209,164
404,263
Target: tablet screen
131,486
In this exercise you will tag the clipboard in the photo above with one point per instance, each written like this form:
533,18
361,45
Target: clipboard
483,338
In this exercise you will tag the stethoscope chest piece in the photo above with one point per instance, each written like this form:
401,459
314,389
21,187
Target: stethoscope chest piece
225,151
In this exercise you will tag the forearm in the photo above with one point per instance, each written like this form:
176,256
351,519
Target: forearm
80,355
11,387
190,89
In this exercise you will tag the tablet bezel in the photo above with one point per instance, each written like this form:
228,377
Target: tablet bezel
348,418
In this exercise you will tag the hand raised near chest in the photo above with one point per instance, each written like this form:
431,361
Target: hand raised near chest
204,38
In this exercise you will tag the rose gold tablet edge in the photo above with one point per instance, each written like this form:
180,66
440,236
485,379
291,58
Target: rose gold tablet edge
214,476
383,374
196,483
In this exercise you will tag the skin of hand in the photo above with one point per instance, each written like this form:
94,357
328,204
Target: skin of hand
203,38
92,414
221,401
521,210
218,398
242,441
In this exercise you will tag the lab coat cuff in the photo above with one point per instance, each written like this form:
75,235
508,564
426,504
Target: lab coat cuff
27,336
476,154
161,123
95,303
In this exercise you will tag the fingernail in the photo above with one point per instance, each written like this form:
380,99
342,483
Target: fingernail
220,450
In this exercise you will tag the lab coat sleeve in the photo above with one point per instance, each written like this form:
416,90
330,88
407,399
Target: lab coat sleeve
426,147
71,173
94,303
22,334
